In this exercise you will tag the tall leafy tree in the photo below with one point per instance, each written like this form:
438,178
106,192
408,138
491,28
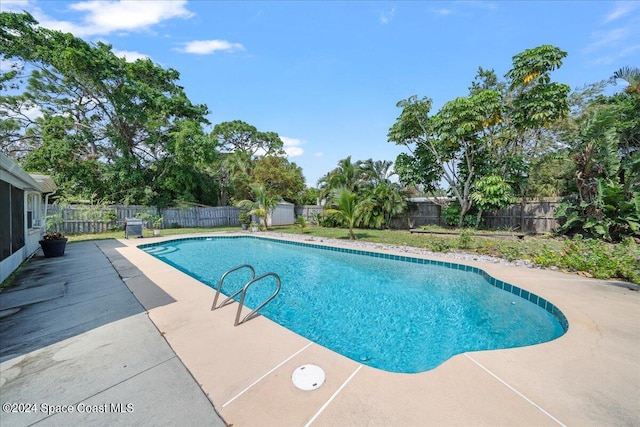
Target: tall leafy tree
233,172
241,146
237,135
486,133
279,176
453,139
18,114
132,118
605,143
491,192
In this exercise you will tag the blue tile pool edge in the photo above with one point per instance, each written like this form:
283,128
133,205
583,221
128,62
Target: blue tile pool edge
507,287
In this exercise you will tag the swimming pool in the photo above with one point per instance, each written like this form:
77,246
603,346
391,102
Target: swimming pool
400,314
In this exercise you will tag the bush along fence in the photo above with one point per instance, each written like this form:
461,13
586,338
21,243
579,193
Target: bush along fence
88,219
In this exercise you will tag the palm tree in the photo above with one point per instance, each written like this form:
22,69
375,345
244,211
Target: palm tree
345,208
631,76
378,171
234,172
392,201
263,204
381,204
347,174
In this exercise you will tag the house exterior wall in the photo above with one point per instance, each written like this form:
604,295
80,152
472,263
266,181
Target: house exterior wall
21,215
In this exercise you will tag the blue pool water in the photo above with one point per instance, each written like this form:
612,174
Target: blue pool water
399,314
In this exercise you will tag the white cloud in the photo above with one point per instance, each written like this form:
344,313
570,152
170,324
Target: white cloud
294,151
614,55
6,65
207,47
621,9
292,146
16,6
385,17
32,112
442,12
605,39
129,56
110,16
29,111
612,44
107,17
318,154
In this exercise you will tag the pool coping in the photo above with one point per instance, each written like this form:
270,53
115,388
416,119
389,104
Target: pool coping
584,377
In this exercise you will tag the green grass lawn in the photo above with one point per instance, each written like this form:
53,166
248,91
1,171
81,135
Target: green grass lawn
595,258
145,232
510,249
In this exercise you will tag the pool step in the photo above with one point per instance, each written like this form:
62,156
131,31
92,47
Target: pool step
160,250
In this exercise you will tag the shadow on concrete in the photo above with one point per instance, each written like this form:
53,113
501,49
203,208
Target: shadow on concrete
53,299
145,291
73,334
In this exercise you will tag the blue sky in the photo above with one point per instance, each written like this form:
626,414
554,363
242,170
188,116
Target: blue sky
326,76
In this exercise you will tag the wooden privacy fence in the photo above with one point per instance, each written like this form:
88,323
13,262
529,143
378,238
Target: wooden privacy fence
419,214
526,217
308,212
86,219
535,216
201,217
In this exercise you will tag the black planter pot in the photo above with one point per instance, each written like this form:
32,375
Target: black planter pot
53,248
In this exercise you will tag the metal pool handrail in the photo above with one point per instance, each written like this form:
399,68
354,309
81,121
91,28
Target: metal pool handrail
244,292
225,302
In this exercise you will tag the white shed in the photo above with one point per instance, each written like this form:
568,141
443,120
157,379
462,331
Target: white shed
282,214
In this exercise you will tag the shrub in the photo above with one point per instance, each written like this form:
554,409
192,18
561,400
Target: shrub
244,218
440,246
451,216
301,222
599,259
464,240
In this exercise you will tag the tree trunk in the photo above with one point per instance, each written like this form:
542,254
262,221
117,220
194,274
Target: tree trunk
478,218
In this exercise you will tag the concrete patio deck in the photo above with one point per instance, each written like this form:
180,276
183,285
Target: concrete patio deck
77,348
588,377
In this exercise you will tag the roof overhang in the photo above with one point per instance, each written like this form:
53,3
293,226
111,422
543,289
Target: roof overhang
12,173
47,185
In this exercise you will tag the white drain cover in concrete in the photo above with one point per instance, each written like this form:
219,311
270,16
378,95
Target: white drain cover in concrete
308,377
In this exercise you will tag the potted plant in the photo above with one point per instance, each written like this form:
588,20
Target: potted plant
53,244
151,220
255,227
245,219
